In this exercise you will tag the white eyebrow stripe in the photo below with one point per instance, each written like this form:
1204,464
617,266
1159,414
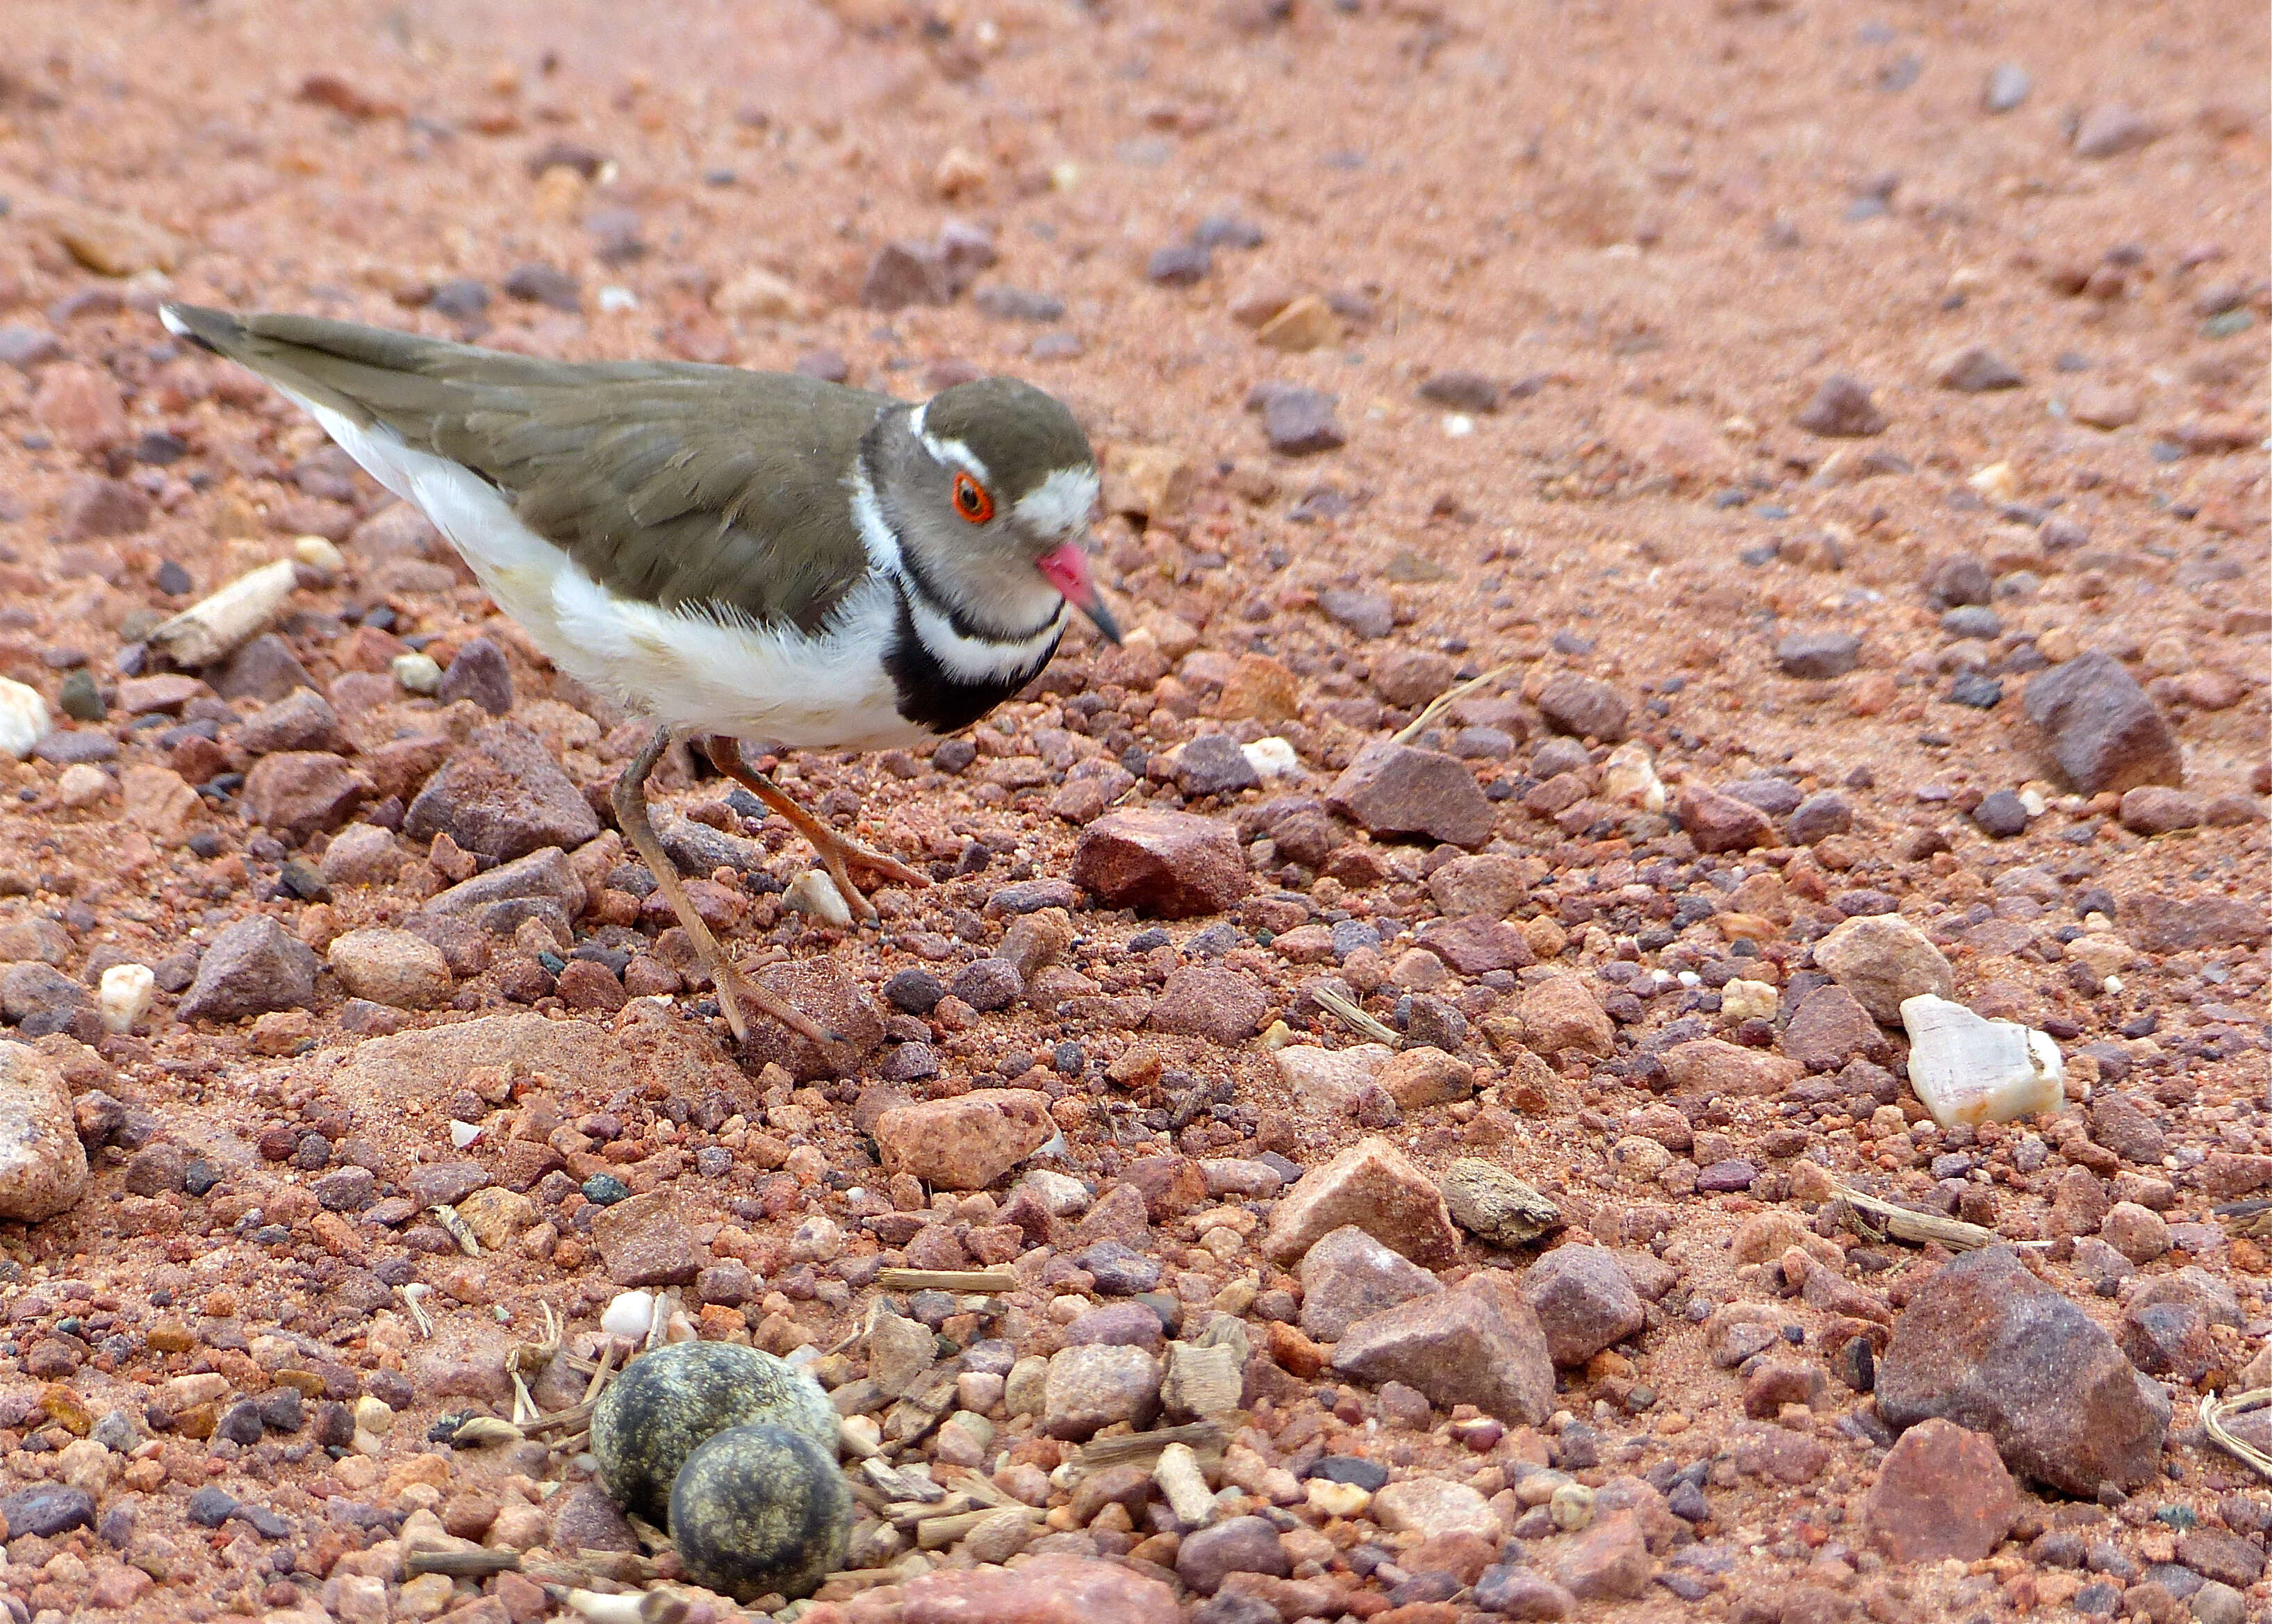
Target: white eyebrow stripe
954,453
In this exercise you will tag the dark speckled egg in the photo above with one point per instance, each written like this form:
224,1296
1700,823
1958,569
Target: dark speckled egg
666,1402
758,1509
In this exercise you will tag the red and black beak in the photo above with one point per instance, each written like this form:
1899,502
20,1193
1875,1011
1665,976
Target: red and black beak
1067,568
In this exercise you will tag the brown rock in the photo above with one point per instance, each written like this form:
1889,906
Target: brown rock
1718,822
293,793
968,1142
390,967
1043,1589
1830,1028
1761,1450
488,899
1584,1299
1478,943
2105,406
95,508
1417,1078
1609,1562
1372,1186
1711,1066
823,989
1396,789
1986,1344
1171,1184
1170,865
643,1242
1478,1345
2158,809
42,1165
1411,677
1842,409
1585,708
2100,726
2223,1556
1261,689
1491,884
2163,924
251,968
1094,1385
1201,1002
1882,959
1942,1492
502,796
1347,1276
82,406
1560,1013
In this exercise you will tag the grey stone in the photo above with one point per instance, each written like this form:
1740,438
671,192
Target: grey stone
502,796
1987,1345
1842,409
1584,707
1817,656
1237,1544
2100,727
252,967
1584,1300
1348,1275
479,674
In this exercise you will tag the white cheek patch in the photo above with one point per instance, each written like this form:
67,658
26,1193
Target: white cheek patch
1060,504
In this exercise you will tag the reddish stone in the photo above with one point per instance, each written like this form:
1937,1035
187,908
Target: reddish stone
293,793
1984,1344
1479,1344
1610,1561
1171,1184
1942,1492
1718,822
95,508
1396,789
968,1142
1171,865
1200,1001
1047,1590
1372,1186
2100,726
1477,943
642,1241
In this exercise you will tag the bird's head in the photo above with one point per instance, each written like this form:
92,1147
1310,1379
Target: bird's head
988,487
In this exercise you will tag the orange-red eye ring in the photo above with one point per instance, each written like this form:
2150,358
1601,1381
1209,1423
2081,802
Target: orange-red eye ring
971,500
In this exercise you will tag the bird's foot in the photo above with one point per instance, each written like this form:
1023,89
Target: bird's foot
735,991
841,854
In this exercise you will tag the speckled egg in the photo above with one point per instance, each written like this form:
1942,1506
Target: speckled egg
666,1402
758,1509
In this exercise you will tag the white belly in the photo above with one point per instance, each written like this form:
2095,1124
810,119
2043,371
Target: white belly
826,691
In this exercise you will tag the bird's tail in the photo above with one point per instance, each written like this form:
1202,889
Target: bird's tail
368,373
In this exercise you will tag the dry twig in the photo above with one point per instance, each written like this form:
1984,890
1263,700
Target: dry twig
1347,1012
2213,1411
1875,1220
963,1282
1449,698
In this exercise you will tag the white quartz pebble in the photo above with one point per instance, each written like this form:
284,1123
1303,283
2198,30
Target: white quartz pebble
1967,1068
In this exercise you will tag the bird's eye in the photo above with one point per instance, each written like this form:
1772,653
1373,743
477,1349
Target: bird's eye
971,500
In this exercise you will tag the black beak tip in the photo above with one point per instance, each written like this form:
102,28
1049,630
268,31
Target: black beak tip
1102,619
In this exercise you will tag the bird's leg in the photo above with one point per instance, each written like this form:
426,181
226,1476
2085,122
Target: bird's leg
839,854
631,816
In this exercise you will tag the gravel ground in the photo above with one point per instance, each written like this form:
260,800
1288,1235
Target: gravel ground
1821,458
